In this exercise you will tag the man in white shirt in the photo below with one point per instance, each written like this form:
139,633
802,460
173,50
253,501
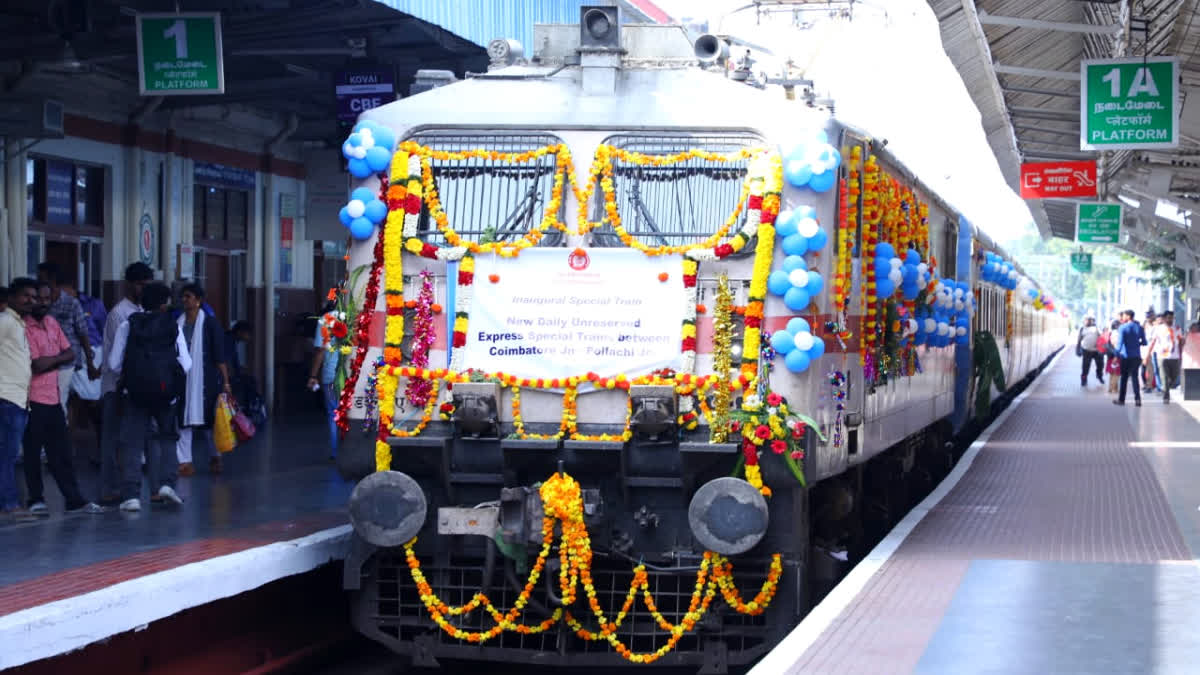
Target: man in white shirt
1089,334
1166,342
141,409
137,276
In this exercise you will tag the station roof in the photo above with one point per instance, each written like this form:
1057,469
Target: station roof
1020,60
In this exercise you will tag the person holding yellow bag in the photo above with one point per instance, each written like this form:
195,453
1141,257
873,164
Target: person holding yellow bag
206,379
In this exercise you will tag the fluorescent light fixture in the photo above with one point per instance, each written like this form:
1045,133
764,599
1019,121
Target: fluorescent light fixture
1130,201
1171,212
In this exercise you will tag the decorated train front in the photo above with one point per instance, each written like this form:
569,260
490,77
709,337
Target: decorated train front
605,342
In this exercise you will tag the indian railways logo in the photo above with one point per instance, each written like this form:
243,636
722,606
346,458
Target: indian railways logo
578,260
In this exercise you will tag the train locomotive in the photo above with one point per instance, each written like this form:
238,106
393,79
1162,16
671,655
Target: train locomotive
655,351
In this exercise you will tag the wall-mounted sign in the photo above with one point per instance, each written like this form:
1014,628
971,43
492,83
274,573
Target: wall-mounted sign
1097,223
1129,103
59,176
287,219
180,54
1041,180
146,239
361,89
187,261
1081,262
219,175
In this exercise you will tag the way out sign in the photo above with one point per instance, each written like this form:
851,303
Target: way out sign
1129,103
1081,262
180,54
1097,223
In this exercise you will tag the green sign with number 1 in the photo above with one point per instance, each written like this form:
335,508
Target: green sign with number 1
180,54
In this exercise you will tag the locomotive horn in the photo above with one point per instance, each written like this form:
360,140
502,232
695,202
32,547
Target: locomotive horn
387,508
711,49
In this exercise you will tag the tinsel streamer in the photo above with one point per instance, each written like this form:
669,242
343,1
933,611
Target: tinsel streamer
837,379
722,360
362,335
371,397
423,336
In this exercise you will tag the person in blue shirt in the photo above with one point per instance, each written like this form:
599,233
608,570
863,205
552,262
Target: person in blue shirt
1130,338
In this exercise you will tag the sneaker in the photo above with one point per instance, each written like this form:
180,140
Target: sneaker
1118,402
90,508
131,505
39,509
168,493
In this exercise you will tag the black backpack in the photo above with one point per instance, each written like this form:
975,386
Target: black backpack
151,374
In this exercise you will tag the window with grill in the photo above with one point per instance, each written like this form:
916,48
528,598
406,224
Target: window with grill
65,195
490,199
678,204
220,216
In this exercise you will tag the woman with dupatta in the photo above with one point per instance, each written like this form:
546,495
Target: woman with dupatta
207,378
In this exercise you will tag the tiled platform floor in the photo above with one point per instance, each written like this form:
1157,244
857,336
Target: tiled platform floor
1068,546
279,486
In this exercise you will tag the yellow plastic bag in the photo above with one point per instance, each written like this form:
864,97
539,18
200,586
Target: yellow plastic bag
223,436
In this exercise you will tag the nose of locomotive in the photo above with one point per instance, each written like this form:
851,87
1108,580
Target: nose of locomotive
387,508
728,516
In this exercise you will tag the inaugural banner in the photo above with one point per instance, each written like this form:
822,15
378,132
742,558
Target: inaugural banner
551,313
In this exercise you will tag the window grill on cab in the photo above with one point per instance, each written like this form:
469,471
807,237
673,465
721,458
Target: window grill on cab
481,196
678,204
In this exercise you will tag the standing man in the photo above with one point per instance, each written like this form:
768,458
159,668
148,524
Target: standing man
70,316
47,426
137,276
15,372
1130,339
1166,344
1086,345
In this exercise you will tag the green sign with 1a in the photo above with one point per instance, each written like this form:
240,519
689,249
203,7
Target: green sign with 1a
1129,103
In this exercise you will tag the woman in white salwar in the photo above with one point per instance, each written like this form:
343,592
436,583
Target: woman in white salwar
207,378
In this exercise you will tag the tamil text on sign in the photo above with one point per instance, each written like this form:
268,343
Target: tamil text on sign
1129,103
1097,223
1081,262
555,314
180,54
1058,179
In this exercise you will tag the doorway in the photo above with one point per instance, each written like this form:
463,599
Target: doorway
216,285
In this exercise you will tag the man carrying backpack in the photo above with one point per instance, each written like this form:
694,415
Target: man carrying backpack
152,343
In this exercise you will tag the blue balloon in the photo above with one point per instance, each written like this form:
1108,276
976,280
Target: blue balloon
797,172
795,244
818,240
376,211
358,168
797,325
362,194
912,257
785,223
805,211
884,288
354,139
778,282
822,182
794,262
377,158
884,250
797,361
796,299
821,136
910,274
909,291
385,138
815,283
361,228
920,338
783,341
817,350
344,216
830,156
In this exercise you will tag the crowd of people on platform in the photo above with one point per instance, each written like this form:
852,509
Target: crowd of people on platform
1147,355
55,341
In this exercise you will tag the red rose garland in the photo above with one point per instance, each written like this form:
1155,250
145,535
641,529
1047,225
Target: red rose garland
362,336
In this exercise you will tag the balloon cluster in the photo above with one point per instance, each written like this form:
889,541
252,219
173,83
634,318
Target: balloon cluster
801,233
1028,294
998,271
909,274
362,213
368,148
946,316
812,164
798,345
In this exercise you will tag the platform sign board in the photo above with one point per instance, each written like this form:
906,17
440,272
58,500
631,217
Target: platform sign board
361,89
1129,104
1097,223
180,54
1051,180
1081,262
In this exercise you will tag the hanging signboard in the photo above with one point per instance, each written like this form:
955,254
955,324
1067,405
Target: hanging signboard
180,54
361,89
1041,180
1081,262
59,179
555,314
1130,103
219,175
1097,223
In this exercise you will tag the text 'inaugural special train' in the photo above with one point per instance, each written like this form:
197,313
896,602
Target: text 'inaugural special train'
647,383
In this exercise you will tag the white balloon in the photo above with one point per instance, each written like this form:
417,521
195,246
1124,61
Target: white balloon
930,325
798,278
807,227
817,168
910,327
897,277
804,341
958,304
895,262
958,292
922,268
368,141
943,328
960,331
360,152
1012,274
347,149
356,208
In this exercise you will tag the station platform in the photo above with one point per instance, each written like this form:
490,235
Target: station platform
1065,541
277,509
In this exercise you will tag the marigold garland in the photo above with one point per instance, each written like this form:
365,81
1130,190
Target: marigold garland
562,503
